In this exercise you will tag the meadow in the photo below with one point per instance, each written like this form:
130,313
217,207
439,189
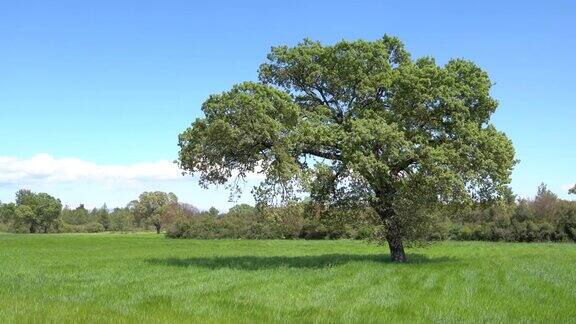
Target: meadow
148,278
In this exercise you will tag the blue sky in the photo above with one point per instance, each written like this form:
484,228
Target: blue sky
94,93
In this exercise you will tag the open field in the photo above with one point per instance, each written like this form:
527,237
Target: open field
148,278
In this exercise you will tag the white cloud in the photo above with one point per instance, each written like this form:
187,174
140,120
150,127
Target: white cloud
45,168
567,187
77,181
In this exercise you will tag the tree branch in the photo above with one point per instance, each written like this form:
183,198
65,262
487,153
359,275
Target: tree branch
395,170
323,154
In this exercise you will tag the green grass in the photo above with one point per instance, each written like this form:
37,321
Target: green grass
148,278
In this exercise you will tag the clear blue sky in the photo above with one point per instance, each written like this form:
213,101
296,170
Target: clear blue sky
112,83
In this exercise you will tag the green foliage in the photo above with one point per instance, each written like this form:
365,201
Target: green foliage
7,212
241,210
102,215
545,218
26,217
121,220
78,216
357,121
80,220
153,208
213,212
36,211
242,222
296,220
92,227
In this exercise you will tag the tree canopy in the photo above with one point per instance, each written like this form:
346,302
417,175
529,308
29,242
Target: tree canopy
357,121
37,210
153,208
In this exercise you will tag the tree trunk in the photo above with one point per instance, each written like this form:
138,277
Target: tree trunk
158,226
32,228
385,209
394,239
393,234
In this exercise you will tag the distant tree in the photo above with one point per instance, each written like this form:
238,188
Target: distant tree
190,209
213,212
573,190
173,212
373,125
37,210
121,219
242,210
25,197
48,209
7,212
102,216
545,203
77,216
152,208
26,216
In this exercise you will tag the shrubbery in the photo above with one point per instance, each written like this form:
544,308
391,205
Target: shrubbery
545,218
542,219
297,220
83,228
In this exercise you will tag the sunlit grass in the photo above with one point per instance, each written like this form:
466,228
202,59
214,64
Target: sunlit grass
148,278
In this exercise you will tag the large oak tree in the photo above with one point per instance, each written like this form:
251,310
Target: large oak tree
359,119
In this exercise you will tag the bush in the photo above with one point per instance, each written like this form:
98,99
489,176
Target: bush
293,221
84,228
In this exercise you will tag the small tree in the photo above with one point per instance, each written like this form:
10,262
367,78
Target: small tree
364,119
7,212
152,208
241,210
121,219
37,210
77,216
102,216
25,216
213,212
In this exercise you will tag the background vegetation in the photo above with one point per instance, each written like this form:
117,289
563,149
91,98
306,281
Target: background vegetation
541,219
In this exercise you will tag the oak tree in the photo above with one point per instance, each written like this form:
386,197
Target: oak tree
361,121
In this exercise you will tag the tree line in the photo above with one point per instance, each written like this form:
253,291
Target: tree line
543,218
40,212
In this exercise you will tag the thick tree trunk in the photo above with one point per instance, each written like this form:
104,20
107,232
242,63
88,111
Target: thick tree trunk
384,206
393,232
158,226
394,239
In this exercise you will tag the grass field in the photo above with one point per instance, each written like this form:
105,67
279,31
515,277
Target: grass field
148,278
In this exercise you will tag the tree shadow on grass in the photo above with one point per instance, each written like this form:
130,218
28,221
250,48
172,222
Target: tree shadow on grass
249,262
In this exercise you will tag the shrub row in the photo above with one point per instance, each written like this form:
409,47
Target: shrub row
290,222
